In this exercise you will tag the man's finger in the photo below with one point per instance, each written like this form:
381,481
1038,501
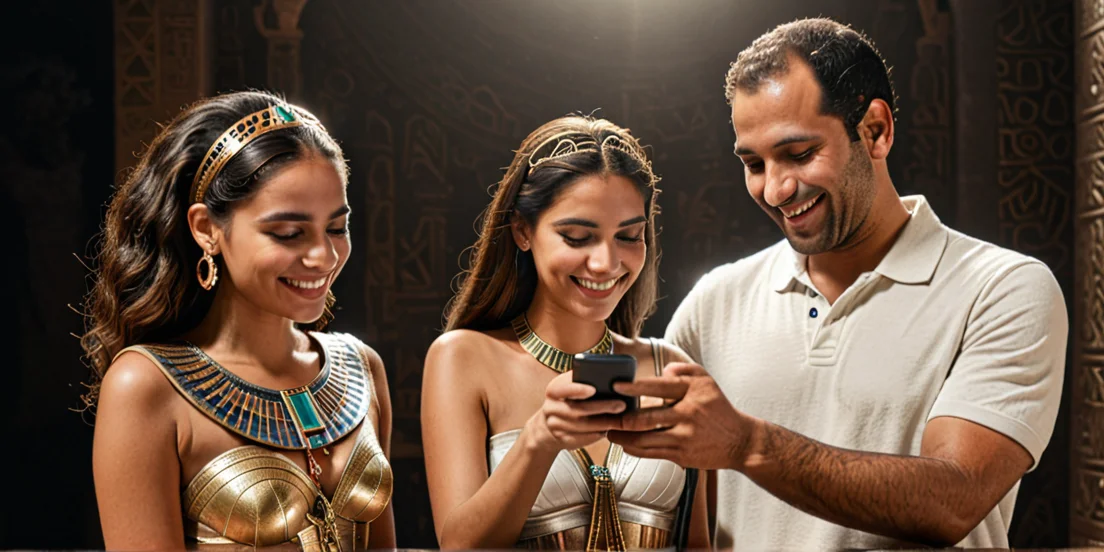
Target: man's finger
676,369
648,419
664,388
657,453
648,439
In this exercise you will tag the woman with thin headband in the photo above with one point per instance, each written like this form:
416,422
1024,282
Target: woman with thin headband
565,263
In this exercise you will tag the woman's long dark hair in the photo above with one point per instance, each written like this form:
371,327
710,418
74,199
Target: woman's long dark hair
145,287
501,280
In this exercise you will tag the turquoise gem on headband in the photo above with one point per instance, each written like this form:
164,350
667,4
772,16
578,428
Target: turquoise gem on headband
285,114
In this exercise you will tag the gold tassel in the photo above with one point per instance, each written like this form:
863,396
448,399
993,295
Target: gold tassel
605,522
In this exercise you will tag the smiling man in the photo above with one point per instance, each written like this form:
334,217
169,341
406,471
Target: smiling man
876,378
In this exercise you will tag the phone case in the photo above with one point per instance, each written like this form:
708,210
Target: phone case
601,372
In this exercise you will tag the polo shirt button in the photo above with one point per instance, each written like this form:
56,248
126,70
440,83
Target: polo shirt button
812,312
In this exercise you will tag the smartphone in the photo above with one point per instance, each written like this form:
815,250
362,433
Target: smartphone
601,372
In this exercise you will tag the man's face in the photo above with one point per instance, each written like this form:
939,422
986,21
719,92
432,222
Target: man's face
800,165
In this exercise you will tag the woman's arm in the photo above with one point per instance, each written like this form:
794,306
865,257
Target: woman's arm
470,509
135,462
699,516
381,532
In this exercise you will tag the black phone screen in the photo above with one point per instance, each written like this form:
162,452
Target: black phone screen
601,372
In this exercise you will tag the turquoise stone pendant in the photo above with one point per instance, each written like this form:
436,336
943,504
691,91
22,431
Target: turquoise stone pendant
301,404
600,473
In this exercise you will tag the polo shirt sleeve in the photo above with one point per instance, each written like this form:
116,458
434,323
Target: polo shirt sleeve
685,331
1009,371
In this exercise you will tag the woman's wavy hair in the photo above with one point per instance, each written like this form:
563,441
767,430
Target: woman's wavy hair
145,287
501,280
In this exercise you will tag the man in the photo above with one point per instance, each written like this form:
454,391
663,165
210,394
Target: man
876,378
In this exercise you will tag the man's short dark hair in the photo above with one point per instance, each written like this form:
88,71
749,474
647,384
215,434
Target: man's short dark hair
849,69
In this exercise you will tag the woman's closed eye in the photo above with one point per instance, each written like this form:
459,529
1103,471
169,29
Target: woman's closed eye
574,240
637,238
286,235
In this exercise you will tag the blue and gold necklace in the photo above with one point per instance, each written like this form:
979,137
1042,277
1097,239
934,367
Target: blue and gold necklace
309,417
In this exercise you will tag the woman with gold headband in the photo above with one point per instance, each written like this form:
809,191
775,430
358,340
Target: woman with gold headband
220,419
565,263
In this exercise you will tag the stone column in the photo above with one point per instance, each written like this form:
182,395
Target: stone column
1087,333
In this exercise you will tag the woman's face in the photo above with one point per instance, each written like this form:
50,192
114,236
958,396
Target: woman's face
284,247
588,246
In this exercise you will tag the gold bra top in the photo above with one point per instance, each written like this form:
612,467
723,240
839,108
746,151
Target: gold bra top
256,496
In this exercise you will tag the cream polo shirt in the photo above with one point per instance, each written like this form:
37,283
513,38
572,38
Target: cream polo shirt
946,325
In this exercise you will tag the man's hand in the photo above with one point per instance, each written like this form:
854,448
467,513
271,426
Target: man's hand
699,427
936,498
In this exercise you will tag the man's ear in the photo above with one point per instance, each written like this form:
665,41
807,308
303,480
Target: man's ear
876,129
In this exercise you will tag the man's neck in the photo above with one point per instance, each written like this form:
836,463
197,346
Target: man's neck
834,271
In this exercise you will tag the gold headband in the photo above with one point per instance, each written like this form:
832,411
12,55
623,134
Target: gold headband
566,146
235,138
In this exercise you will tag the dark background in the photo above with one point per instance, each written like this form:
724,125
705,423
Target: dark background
429,98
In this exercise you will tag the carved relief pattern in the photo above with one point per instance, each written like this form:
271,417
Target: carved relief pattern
278,22
232,22
1090,95
157,53
1087,332
1090,163
1034,172
1035,142
1091,18
136,94
1089,329
1089,394
929,168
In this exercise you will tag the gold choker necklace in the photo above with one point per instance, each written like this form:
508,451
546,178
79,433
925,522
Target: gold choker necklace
548,355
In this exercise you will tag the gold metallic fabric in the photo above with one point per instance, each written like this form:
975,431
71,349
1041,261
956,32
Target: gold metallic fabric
254,496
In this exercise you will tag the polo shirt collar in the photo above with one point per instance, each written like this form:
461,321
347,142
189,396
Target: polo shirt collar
911,260
916,253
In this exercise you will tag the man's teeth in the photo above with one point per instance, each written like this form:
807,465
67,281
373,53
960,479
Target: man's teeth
306,285
808,205
596,286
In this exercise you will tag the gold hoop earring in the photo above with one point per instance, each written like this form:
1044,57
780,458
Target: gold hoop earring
211,279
